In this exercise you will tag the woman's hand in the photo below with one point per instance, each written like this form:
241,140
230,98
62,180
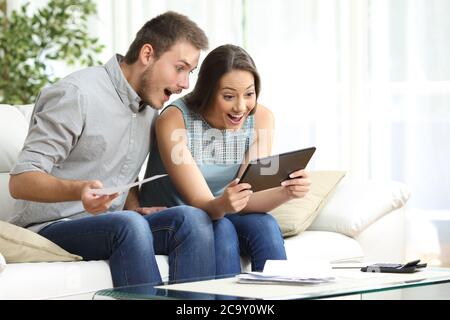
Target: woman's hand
299,184
149,210
235,197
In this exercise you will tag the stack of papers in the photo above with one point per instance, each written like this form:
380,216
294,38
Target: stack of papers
290,272
260,277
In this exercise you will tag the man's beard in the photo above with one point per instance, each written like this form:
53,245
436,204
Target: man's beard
143,89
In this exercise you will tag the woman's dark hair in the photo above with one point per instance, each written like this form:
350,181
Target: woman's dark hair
163,31
217,63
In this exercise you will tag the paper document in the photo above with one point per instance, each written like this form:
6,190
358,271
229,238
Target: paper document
260,277
290,272
120,189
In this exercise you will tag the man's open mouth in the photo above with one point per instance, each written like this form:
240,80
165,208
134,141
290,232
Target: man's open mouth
167,92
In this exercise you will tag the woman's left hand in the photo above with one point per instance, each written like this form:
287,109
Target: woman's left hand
299,184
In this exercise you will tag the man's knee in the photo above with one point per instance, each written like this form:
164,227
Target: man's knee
130,223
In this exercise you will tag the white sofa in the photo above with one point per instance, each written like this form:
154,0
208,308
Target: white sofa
362,220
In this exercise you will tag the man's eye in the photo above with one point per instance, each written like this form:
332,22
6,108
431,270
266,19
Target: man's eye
179,69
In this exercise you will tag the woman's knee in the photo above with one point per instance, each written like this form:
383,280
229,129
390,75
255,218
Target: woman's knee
270,222
194,217
255,225
225,235
224,228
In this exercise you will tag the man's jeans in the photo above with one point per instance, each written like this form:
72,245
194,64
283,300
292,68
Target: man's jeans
130,242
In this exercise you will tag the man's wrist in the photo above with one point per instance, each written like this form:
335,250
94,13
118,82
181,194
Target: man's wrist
74,188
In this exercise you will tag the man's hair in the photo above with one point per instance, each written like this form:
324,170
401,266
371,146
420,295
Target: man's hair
163,31
217,63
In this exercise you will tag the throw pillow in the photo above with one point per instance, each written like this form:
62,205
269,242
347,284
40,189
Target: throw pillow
296,215
21,245
2,263
356,205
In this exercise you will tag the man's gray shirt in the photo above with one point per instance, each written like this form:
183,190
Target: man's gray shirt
85,127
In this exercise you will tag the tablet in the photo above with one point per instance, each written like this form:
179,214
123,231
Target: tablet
269,172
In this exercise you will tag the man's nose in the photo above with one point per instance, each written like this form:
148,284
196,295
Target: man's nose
184,82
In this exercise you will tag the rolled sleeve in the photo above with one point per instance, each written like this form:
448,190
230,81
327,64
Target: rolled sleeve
55,127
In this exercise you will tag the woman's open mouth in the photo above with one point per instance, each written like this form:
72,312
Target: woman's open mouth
235,119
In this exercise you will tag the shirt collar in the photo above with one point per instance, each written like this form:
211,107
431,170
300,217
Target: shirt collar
126,93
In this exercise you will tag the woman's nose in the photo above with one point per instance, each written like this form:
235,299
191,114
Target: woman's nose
241,106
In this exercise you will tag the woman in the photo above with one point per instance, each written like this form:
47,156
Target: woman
204,141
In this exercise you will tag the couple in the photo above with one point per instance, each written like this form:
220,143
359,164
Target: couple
94,128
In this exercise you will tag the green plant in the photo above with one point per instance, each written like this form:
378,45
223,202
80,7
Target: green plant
28,42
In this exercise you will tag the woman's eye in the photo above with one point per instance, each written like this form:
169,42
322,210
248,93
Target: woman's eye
228,97
250,94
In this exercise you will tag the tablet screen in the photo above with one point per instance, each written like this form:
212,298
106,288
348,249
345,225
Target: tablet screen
269,172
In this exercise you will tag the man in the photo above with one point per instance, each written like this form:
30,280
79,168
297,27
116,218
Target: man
92,129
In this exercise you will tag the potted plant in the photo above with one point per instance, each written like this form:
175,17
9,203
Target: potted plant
57,31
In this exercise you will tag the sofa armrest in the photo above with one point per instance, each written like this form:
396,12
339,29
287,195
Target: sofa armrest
2,263
354,206
385,240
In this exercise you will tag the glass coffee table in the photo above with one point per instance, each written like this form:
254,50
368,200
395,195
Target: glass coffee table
348,283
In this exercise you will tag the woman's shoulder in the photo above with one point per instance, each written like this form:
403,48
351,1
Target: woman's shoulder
264,117
171,117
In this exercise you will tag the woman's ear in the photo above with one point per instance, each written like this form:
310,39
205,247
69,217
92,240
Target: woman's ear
147,54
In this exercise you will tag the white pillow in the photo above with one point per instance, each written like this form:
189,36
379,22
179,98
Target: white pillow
2,263
356,205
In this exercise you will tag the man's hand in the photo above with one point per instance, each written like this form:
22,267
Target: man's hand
149,210
93,203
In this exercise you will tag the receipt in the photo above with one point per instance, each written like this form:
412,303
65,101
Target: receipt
121,189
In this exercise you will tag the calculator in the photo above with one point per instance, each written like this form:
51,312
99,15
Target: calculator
409,267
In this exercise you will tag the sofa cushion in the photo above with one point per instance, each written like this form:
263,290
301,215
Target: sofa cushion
2,263
14,121
21,245
296,215
54,280
356,205
6,202
13,131
323,245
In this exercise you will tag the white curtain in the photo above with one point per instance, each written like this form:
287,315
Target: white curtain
366,81
119,20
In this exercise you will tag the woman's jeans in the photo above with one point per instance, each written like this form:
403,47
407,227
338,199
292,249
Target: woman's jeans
255,235
130,242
